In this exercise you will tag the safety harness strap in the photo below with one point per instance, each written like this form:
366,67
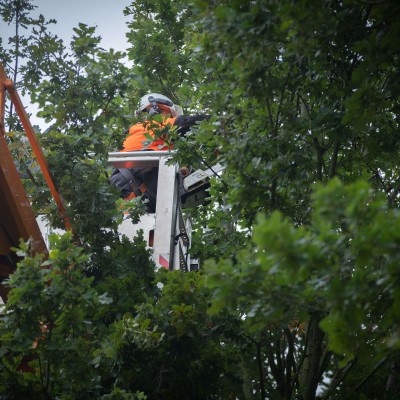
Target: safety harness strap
138,190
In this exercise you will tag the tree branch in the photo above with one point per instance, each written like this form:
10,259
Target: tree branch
380,364
260,371
270,116
332,171
337,381
289,362
282,97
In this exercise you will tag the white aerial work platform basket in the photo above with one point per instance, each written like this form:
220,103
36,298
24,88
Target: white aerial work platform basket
166,231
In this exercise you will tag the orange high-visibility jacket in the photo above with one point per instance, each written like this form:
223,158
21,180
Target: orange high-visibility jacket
137,140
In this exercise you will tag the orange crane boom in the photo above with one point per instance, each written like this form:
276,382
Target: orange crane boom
37,149
17,219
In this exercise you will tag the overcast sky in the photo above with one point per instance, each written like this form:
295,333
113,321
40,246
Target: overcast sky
107,15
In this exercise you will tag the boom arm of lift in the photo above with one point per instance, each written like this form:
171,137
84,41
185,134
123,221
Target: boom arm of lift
8,85
17,219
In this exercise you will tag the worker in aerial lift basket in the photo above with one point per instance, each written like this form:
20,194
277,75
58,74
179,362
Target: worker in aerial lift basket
151,136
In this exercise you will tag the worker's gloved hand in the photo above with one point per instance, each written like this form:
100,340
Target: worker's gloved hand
184,171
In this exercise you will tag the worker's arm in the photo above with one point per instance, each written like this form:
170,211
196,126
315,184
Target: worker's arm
185,122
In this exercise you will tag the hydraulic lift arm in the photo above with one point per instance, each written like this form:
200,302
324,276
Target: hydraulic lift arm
8,85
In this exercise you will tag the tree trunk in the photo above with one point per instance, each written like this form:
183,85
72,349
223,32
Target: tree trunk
309,373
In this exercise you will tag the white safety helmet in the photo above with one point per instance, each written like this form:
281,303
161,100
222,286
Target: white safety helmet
150,102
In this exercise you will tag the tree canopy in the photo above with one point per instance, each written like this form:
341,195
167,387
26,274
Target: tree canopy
298,294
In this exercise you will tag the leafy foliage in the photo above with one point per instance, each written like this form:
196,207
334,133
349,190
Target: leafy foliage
171,347
47,322
299,296
334,272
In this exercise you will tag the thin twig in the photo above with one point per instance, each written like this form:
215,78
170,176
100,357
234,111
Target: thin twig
282,97
380,364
